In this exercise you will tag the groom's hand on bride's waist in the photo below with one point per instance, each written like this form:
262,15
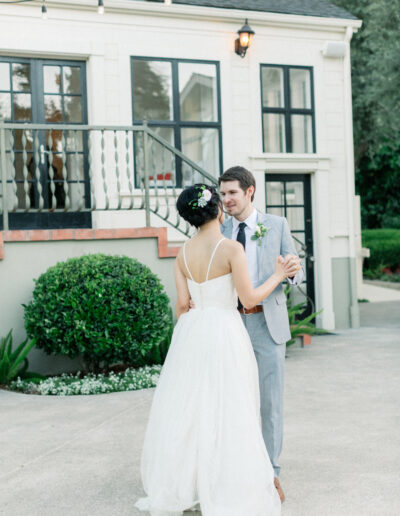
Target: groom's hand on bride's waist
191,304
292,265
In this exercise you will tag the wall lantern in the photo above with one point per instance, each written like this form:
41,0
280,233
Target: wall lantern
244,40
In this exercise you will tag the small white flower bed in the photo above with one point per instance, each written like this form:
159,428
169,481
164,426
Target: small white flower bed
68,384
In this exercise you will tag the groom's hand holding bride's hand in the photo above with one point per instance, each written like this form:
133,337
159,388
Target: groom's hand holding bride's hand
280,270
291,265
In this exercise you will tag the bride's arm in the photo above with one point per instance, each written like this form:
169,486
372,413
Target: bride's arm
248,295
183,295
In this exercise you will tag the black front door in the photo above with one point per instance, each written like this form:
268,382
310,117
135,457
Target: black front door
289,195
50,170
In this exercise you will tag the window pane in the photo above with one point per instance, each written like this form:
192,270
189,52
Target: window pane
52,107
5,106
302,133
274,133
22,106
4,76
294,192
72,79
300,88
21,77
73,109
52,79
201,146
275,192
198,92
272,87
161,160
295,217
152,90
74,167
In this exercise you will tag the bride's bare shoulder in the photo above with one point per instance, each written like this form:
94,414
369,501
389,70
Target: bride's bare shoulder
232,246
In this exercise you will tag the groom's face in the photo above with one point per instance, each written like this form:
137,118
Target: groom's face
235,200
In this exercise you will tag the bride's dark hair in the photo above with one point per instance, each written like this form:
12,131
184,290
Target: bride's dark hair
197,213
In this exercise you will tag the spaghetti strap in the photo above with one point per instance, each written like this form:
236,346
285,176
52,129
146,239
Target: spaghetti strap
184,257
212,256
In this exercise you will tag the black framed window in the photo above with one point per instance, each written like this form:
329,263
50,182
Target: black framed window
180,99
45,91
288,114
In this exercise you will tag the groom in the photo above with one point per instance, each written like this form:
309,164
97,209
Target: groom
267,323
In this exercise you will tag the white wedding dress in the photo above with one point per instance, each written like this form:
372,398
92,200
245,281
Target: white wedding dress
203,442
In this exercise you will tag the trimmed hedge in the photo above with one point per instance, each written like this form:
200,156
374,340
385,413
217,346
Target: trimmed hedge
109,309
384,245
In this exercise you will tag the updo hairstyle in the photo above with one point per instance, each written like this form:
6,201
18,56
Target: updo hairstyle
197,215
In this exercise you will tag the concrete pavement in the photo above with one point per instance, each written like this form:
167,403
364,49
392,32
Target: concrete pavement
79,455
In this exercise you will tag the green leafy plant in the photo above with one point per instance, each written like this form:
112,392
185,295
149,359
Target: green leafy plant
300,326
108,309
13,363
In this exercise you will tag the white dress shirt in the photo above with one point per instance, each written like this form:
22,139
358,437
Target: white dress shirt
251,249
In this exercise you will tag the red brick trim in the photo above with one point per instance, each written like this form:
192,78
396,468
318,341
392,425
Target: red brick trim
39,235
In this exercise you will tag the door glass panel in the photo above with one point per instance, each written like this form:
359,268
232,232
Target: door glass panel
299,243
75,167
201,146
18,144
300,88
73,140
272,87
22,106
198,92
294,192
275,193
53,108
72,79
295,217
302,133
277,211
52,79
152,90
21,77
5,106
274,133
4,76
73,109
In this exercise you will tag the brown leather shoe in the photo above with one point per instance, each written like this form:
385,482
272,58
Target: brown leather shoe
279,489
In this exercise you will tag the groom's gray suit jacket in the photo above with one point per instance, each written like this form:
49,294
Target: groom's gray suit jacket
277,241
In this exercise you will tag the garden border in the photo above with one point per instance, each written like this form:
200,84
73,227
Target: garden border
42,235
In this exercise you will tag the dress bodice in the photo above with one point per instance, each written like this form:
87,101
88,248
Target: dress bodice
215,293
218,292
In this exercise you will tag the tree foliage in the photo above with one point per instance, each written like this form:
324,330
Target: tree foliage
376,109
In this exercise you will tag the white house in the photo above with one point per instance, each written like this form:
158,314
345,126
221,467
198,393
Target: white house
283,111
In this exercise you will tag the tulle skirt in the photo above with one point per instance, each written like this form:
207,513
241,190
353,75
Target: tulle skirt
203,443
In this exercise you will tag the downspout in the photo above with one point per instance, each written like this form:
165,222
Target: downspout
354,309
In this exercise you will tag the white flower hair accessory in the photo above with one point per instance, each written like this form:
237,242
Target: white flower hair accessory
203,198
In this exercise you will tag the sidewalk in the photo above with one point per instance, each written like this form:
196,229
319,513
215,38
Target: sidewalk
79,455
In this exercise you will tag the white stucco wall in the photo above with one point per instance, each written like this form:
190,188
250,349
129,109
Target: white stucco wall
107,42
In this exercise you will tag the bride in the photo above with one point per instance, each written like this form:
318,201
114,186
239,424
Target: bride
203,443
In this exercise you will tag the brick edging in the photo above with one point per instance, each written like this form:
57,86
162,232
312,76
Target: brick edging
44,235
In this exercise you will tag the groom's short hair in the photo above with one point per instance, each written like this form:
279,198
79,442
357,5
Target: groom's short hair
241,174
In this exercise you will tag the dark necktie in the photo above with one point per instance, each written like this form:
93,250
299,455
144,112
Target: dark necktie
241,237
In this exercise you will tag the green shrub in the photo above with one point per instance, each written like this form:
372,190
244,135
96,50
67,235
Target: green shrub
109,309
384,246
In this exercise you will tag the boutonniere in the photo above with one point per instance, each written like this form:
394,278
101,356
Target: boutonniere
259,232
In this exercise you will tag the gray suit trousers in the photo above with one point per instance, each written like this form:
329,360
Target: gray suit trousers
271,360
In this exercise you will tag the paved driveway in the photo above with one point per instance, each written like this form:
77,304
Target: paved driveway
79,455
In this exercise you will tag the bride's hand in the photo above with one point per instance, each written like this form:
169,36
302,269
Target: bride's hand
279,268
